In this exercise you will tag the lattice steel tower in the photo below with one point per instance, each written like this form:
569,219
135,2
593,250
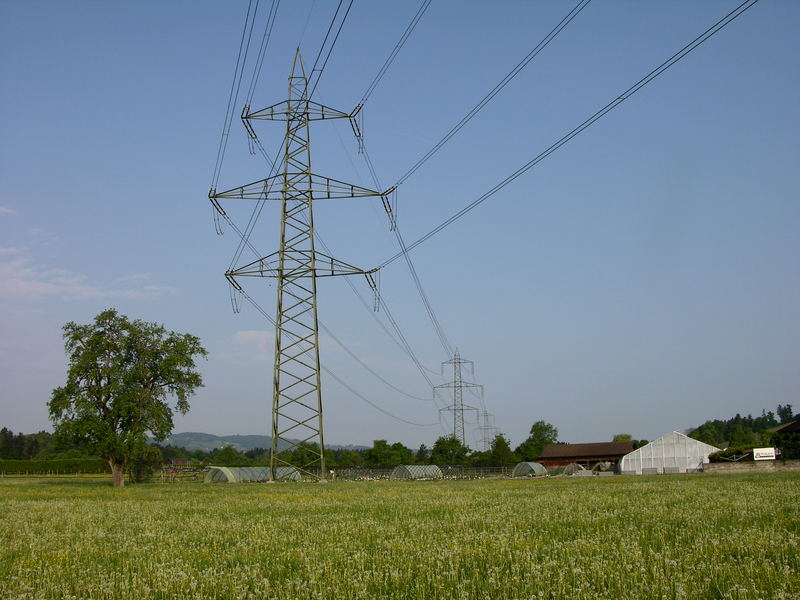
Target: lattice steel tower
487,430
457,385
296,395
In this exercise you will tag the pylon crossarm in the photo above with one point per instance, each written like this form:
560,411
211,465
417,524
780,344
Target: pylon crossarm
263,189
454,384
322,188
294,109
457,407
269,266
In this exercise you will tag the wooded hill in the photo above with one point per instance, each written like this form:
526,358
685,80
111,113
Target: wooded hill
743,431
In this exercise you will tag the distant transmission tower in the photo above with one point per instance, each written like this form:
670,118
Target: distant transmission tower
457,385
296,395
487,430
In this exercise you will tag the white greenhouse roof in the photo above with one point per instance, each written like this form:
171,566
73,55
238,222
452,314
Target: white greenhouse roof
671,453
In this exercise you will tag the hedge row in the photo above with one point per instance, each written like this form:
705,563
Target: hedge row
60,465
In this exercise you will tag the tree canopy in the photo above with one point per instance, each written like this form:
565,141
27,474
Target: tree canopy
449,451
120,376
500,452
742,431
542,434
384,455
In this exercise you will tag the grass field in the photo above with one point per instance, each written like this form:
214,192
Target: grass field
693,536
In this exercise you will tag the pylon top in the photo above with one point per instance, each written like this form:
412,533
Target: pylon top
297,65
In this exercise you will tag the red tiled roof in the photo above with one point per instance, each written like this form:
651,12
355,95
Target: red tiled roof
586,450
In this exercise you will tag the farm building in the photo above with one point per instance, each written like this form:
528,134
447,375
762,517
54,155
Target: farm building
587,455
416,472
787,438
529,469
248,474
672,453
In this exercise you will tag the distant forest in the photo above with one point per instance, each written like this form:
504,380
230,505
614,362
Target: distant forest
743,431
737,431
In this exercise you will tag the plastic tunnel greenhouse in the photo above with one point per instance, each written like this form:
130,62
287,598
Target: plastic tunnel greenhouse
416,472
672,453
529,469
248,474
573,469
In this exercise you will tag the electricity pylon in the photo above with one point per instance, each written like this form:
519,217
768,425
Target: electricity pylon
457,385
487,429
296,395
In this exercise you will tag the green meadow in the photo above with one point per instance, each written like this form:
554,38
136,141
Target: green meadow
680,536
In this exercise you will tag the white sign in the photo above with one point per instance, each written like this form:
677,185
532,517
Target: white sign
763,453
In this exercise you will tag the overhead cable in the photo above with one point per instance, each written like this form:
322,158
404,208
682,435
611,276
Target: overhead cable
387,63
233,95
330,49
719,25
262,51
496,90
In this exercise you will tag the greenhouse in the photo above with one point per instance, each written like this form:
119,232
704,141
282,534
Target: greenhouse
529,469
416,472
573,469
249,474
672,453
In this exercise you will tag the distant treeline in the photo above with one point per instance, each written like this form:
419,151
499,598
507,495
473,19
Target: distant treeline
55,466
742,431
445,451
738,431
37,446
44,446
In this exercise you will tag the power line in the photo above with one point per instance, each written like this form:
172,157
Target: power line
367,367
398,46
437,326
496,90
400,341
330,50
327,33
262,51
308,19
438,329
233,95
719,25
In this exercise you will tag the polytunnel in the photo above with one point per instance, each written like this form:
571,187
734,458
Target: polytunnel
249,474
529,469
573,469
416,472
672,453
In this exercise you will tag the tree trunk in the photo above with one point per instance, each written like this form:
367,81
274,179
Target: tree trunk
117,473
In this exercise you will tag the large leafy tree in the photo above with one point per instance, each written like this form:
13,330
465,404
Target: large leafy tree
121,375
500,452
449,451
384,455
542,434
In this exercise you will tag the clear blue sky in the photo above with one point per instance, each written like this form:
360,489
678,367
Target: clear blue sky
644,278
